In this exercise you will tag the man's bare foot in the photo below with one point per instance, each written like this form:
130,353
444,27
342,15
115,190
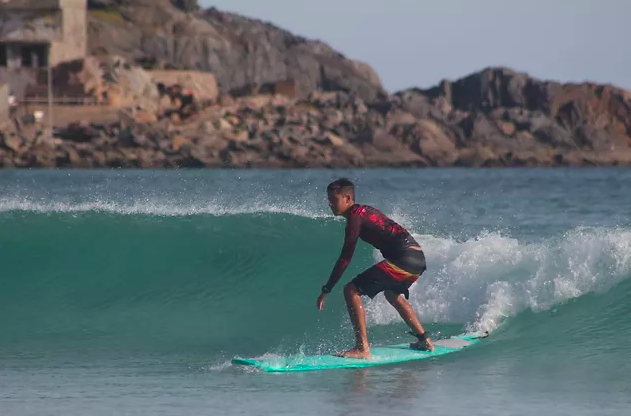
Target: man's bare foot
423,344
354,353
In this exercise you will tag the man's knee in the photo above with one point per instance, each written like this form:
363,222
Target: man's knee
391,297
350,290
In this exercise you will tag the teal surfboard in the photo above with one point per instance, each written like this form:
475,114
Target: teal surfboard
388,354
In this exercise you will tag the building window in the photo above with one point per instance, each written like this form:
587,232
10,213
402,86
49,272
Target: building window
35,56
27,57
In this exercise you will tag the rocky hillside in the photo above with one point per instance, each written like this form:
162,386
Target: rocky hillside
240,51
507,117
341,116
495,117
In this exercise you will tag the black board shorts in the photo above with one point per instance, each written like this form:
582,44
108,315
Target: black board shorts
396,275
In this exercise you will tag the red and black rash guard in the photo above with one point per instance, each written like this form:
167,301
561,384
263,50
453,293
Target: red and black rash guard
375,228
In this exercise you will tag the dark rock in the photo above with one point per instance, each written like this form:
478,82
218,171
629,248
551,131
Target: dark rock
76,132
42,155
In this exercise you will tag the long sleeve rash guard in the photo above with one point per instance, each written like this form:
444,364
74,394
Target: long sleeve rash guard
375,228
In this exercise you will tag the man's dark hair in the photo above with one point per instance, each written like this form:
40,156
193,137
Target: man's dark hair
342,186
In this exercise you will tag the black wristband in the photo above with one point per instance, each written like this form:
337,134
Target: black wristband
325,289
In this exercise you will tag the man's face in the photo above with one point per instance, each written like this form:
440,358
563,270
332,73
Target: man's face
339,203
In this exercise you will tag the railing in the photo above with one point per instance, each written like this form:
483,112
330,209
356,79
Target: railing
62,100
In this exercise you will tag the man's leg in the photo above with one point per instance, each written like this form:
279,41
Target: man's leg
356,312
407,313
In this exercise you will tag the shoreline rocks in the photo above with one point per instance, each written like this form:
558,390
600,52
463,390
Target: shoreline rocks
566,125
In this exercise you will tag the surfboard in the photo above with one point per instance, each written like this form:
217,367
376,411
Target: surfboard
381,355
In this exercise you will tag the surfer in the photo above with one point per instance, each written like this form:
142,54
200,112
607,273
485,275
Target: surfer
404,263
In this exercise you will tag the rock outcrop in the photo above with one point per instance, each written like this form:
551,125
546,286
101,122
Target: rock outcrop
519,119
238,50
495,117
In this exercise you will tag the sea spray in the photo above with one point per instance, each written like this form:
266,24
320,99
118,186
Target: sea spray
483,280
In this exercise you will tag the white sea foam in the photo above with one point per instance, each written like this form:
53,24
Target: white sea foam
162,208
485,279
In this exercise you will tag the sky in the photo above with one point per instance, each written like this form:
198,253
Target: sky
417,43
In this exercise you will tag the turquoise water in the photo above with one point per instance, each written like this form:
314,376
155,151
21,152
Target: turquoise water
128,292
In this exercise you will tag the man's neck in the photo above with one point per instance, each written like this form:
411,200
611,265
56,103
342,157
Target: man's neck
348,210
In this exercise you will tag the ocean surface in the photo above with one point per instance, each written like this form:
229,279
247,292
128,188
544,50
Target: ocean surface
129,292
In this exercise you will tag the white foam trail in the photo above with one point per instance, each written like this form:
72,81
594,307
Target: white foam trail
152,207
483,280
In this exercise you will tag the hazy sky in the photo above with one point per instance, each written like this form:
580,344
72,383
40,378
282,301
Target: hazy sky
419,42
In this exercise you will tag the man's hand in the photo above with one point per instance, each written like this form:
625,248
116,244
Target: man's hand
321,300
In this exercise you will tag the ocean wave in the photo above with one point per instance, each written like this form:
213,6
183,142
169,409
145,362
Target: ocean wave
483,280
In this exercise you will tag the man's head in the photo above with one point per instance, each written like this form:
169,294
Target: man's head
341,194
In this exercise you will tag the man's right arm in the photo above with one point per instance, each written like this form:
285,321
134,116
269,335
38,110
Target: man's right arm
353,227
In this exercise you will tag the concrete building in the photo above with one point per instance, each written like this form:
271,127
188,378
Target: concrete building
37,33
